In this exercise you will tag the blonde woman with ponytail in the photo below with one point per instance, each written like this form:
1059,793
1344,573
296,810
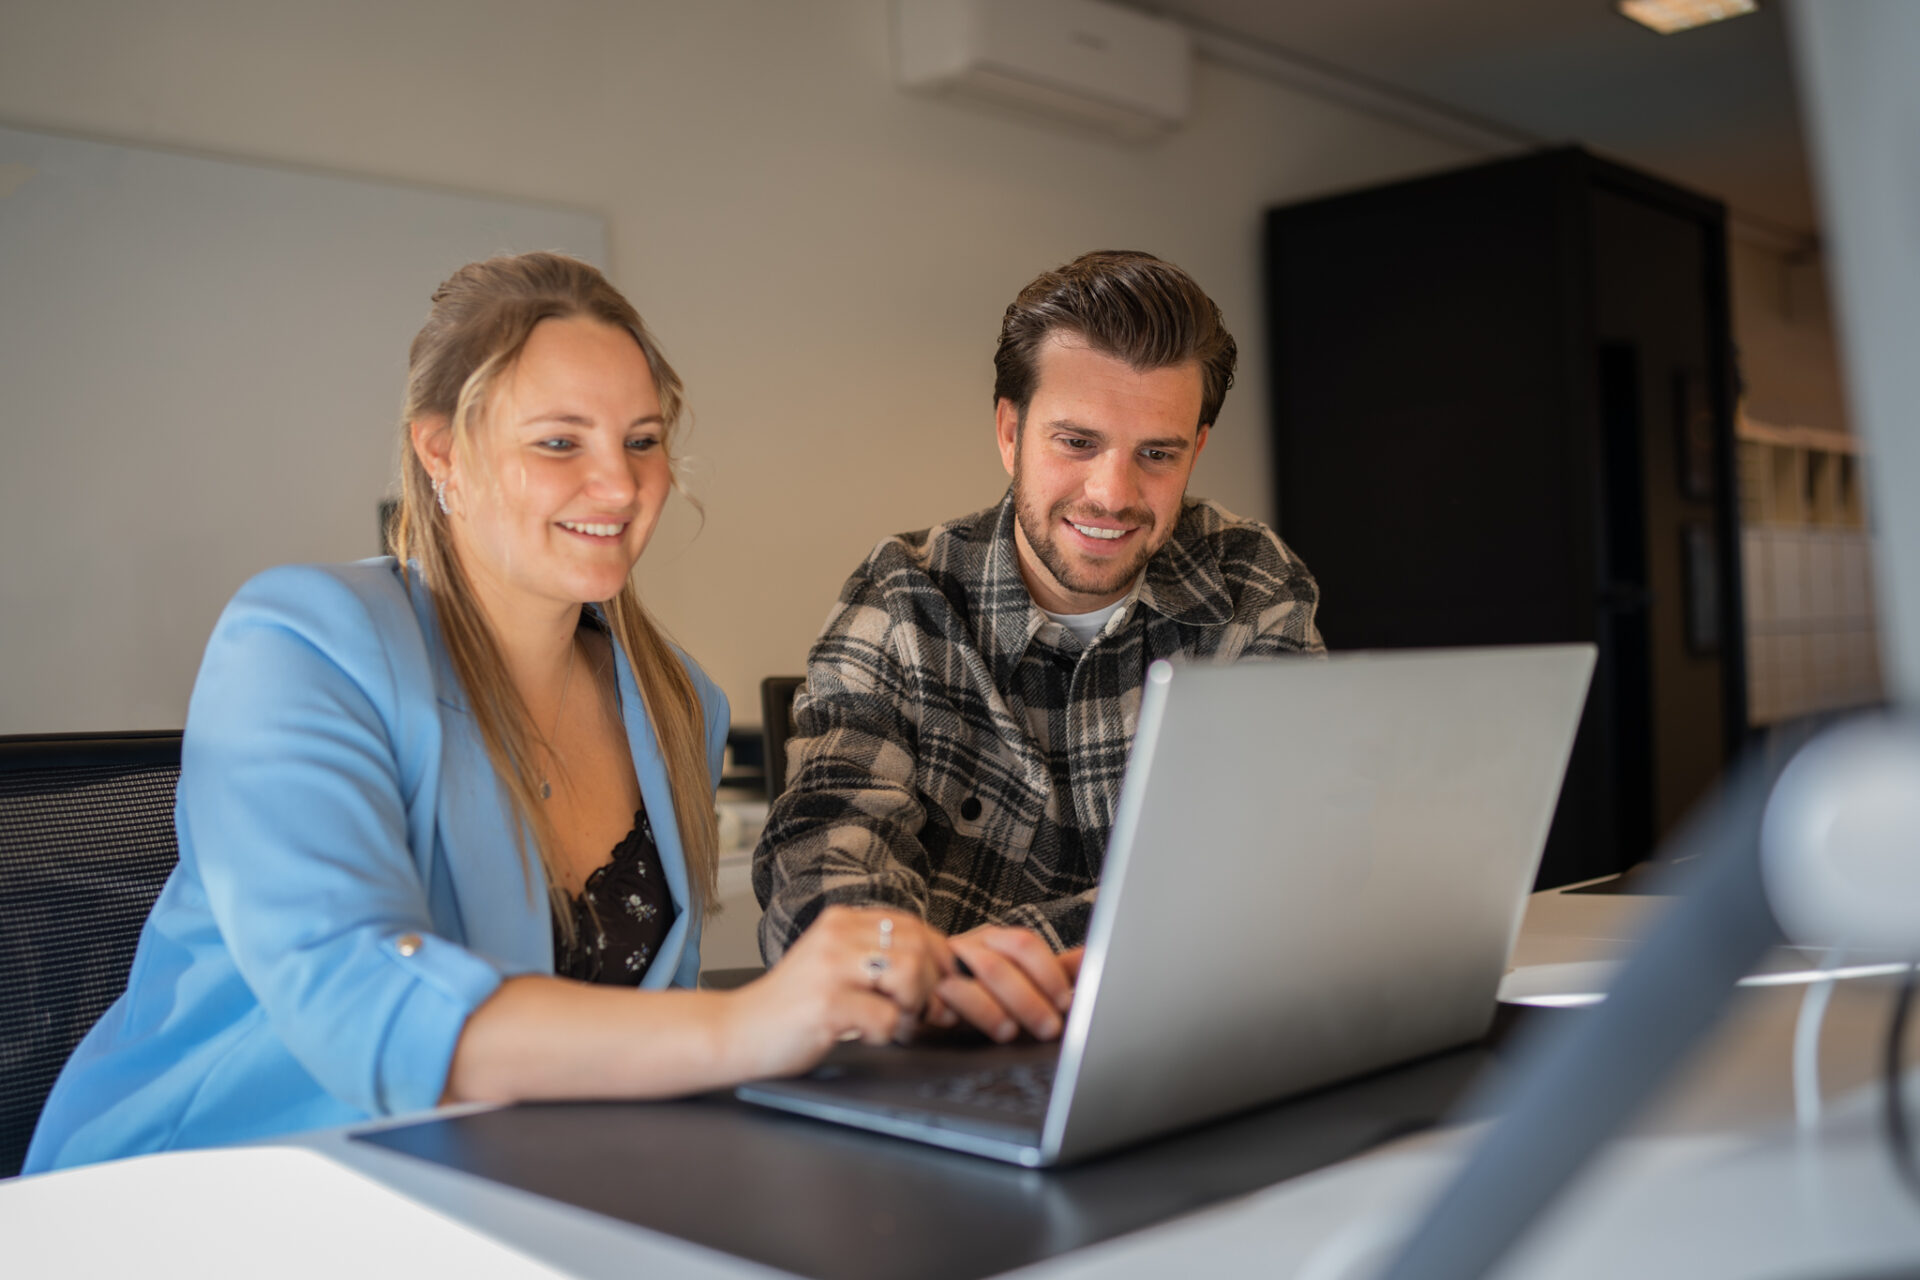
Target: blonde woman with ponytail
445,820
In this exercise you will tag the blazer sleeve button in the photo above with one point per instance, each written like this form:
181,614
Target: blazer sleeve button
407,943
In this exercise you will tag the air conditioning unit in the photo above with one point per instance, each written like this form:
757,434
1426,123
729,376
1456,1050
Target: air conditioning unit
1085,61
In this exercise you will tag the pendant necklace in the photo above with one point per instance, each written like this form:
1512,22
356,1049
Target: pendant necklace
573,650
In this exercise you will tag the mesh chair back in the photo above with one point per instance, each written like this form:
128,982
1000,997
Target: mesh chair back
86,842
776,719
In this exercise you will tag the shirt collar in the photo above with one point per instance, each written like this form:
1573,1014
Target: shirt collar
1184,582
1005,617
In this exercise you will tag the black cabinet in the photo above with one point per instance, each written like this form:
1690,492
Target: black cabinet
1502,414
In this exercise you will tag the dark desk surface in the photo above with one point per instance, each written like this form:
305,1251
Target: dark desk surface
823,1201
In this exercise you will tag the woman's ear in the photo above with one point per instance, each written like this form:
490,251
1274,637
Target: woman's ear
433,444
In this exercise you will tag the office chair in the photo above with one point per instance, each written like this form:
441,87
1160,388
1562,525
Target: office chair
86,842
776,721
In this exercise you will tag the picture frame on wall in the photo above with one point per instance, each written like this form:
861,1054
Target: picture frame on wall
1694,436
1700,570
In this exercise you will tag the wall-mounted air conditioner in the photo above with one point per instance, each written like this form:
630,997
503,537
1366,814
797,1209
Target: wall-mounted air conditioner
1089,62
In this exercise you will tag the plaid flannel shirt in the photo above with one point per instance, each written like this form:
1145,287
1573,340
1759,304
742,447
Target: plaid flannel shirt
958,754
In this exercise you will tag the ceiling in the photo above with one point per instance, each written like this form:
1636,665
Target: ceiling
1713,109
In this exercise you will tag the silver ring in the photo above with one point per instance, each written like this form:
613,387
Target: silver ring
874,966
886,933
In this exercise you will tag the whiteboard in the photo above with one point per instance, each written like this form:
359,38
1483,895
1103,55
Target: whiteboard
201,370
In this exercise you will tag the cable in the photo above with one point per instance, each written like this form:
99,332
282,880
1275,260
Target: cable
1899,1138
1806,1049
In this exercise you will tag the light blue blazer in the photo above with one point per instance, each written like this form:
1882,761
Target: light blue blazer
349,887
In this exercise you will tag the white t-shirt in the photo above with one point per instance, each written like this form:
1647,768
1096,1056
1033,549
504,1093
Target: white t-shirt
1088,625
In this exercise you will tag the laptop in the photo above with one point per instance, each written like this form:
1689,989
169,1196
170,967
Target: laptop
1317,869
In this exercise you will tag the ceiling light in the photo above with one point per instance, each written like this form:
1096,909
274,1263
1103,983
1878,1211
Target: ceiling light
1669,16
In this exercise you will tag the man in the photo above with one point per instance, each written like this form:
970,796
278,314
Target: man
959,744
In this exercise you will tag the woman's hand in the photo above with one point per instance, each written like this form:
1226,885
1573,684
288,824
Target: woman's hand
861,973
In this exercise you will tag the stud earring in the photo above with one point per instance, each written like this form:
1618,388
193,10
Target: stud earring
440,496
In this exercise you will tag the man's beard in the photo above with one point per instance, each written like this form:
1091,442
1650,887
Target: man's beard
1081,578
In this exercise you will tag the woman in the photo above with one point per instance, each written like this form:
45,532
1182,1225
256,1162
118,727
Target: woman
414,791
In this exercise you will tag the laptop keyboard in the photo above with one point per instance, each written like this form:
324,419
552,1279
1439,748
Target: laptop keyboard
1019,1090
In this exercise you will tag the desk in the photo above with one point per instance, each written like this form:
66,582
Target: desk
1715,1182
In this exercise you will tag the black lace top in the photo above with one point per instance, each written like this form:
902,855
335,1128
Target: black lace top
620,917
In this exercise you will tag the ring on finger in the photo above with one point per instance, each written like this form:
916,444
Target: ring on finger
874,966
886,933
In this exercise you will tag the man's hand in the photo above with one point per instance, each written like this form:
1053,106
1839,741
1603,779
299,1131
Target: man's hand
1017,984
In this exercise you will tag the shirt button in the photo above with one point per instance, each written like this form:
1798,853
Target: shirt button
407,943
970,808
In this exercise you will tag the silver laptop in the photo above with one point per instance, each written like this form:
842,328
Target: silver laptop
1317,869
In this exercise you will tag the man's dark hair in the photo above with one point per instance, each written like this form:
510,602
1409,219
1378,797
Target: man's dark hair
1125,304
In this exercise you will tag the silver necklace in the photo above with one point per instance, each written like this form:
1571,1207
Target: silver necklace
573,651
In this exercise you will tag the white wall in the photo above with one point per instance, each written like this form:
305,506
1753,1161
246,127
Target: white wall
1783,323
166,316
825,258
